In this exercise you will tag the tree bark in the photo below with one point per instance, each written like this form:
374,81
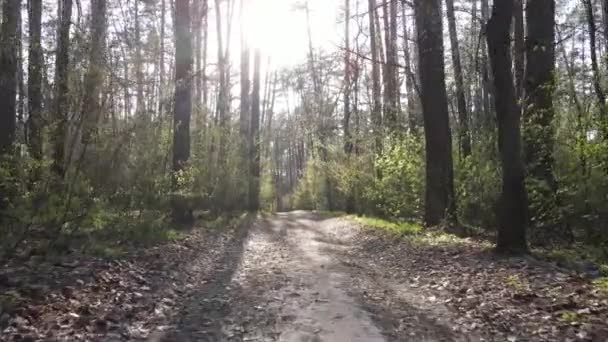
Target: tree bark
34,81
94,78
539,85
376,113
183,102
348,144
254,137
513,208
519,47
8,74
463,114
440,203
61,88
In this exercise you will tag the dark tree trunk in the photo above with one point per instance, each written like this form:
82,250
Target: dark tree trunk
183,102
34,81
245,118
376,114
390,75
139,74
439,200
254,137
62,88
410,80
95,74
539,85
463,114
513,208
161,66
8,74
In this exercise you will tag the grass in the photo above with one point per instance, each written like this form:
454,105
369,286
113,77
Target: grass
397,227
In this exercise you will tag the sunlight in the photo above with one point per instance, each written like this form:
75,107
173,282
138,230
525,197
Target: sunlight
278,28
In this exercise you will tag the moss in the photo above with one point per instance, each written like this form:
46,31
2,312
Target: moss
601,284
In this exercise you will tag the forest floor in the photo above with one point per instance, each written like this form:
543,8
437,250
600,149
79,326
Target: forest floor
300,277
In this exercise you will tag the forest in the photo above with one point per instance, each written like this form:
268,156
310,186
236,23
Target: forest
156,151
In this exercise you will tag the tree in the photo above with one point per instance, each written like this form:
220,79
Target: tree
597,81
463,115
513,207
376,110
539,84
439,199
519,48
34,80
183,102
348,144
95,74
62,88
246,107
254,136
8,74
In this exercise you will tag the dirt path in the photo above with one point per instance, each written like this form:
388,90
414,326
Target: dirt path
291,283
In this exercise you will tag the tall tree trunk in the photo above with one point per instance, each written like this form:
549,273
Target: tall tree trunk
411,87
254,136
183,102
463,114
513,208
8,74
34,80
245,118
61,88
485,73
94,78
390,75
439,200
539,85
376,114
597,81
348,144
222,95
519,47
161,66
205,52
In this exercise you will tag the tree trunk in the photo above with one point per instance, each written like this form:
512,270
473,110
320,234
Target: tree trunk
94,79
513,208
519,47
222,91
161,66
61,88
376,114
8,74
348,144
183,103
410,80
34,81
439,200
597,81
245,118
254,137
463,115
539,85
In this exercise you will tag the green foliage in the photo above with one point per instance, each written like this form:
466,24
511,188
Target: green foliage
398,192
397,227
477,185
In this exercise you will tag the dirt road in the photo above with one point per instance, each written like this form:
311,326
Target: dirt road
292,282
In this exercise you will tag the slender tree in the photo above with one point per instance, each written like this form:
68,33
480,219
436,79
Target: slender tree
513,207
183,101
597,79
62,60
34,80
519,47
348,145
254,136
376,114
8,74
95,74
463,113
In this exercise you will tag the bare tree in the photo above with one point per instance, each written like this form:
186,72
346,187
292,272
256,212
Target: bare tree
34,81
8,74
